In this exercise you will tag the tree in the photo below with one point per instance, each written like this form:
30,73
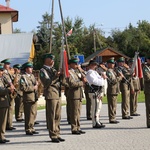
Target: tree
132,39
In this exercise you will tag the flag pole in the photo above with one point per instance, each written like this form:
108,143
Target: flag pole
51,30
64,32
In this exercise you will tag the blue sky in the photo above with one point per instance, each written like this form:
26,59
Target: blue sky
106,14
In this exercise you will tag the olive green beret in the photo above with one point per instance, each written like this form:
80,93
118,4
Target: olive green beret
131,60
6,61
27,64
48,55
1,66
18,66
111,60
121,59
73,60
93,62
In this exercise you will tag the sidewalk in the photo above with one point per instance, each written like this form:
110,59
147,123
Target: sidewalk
127,135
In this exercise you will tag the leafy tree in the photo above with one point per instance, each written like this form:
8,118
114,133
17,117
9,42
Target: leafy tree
132,39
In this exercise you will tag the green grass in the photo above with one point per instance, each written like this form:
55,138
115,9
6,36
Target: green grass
141,99
43,107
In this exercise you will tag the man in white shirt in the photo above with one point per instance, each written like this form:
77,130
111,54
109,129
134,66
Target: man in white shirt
95,82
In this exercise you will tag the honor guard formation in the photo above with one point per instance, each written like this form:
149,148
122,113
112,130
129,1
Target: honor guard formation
21,86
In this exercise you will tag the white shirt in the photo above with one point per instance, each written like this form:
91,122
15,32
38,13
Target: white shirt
94,78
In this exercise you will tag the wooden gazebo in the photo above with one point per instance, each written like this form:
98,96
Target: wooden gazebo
105,54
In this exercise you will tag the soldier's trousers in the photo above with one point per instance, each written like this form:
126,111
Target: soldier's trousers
18,107
75,114
125,102
3,120
112,105
147,104
29,114
68,109
133,102
53,110
88,106
10,114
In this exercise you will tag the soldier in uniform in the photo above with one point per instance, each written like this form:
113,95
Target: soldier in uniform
88,99
88,102
112,90
18,95
8,76
134,96
95,82
146,73
125,86
29,86
4,105
66,93
51,82
76,83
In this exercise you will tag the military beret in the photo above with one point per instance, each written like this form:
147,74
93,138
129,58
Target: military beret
73,60
27,64
18,66
93,62
48,55
121,59
131,60
6,61
1,66
111,60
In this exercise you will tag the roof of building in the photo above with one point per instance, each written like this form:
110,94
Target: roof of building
100,53
14,13
17,47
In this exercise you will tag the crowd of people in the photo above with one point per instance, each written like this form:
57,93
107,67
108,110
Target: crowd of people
19,91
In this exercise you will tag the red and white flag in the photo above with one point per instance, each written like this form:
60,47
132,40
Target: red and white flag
65,64
69,33
140,72
138,68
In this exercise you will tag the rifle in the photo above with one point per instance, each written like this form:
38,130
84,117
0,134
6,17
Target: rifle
120,70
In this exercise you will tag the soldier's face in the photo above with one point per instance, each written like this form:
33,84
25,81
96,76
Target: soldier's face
93,66
49,62
110,65
121,64
7,66
1,73
74,65
29,70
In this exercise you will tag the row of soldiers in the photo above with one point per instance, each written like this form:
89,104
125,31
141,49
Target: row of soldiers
121,79
52,80
26,87
19,88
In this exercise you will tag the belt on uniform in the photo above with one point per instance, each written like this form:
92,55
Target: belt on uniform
94,88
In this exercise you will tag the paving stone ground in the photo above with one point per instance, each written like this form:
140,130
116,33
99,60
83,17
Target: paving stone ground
127,135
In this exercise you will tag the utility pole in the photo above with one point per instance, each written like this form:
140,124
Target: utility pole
51,30
94,40
95,36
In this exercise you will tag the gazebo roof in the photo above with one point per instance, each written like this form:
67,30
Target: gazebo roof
101,53
14,13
